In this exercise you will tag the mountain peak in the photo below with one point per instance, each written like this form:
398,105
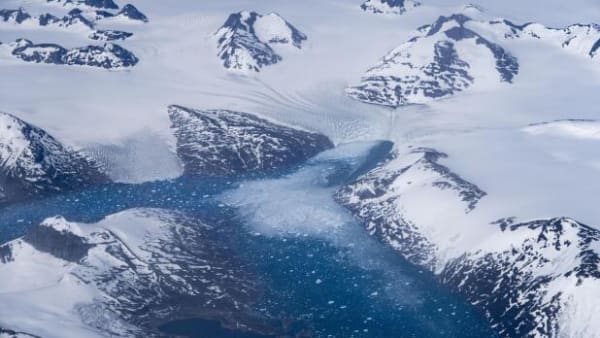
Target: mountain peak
246,40
33,163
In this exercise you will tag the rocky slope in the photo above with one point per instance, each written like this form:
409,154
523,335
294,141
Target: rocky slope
222,142
125,276
33,163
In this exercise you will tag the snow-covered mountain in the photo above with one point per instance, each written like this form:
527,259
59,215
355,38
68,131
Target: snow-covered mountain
457,52
78,16
108,56
222,142
74,17
531,279
246,40
578,39
389,6
447,58
131,12
100,4
33,163
123,276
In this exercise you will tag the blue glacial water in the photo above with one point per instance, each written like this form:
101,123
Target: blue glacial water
324,274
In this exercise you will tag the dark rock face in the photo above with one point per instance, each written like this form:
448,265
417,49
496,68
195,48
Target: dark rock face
103,15
240,48
108,56
131,12
47,19
14,15
35,164
76,16
5,255
110,35
60,244
222,143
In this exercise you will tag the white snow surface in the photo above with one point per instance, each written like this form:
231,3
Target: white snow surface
273,28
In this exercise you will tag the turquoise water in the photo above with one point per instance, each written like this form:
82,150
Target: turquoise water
326,282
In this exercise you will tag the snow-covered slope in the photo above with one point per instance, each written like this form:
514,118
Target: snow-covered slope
222,142
33,163
571,128
389,6
122,277
531,279
246,40
447,58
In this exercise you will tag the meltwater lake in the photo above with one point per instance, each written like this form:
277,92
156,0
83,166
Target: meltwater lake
323,272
